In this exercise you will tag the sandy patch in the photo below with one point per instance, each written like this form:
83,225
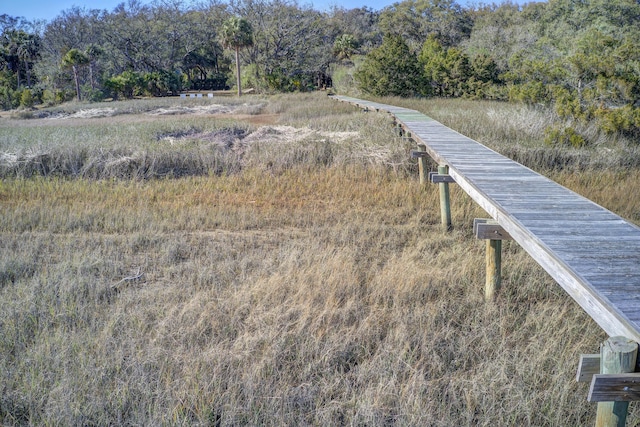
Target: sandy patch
197,110
90,113
291,134
264,134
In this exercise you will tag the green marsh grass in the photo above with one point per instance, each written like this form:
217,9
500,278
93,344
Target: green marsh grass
313,288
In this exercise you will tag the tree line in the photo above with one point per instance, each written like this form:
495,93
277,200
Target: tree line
579,57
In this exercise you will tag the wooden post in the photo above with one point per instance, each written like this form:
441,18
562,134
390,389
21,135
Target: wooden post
617,356
494,234
445,207
423,166
494,267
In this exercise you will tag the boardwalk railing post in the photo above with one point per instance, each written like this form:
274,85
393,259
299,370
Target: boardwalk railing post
445,207
423,167
407,136
494,267
494,234
617,356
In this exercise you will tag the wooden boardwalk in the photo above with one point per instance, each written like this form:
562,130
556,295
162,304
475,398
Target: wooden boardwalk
591,252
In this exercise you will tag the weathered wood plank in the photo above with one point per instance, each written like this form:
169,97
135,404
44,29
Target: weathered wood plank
527,217
437,178
606,279
615,388
489,229
588,367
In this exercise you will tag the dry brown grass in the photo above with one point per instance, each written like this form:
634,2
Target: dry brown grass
197,139
300,295
517,131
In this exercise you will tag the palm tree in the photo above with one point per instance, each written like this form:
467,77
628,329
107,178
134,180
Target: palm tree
345,46
237,34
74,59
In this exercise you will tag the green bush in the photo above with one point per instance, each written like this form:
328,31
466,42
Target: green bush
249,78
26,98
477,89
92,94
7,98
127,85
161,83
568,105
283,82
278,81
391,70
48,97
530,93
625,120
567,136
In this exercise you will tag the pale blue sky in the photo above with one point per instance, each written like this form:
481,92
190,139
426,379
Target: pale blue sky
49,9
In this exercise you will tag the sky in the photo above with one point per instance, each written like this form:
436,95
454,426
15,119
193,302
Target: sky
49,9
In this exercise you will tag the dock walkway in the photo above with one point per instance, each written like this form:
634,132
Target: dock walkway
591,252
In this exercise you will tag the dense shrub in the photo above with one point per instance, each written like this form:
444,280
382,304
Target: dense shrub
215,81
281,81
391,70
567,136
625,120
93,94
26,98
160,83
530,93
127,85
7,98
51,97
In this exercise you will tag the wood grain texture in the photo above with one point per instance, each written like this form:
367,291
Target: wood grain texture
615,388
588,367
591,252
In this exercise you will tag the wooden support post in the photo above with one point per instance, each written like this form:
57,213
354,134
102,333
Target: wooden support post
617,356
396,126
445,207
423,166
494,234
493,279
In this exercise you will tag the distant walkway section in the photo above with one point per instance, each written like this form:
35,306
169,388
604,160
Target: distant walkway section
591,252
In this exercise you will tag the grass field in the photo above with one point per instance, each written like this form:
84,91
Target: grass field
273,261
